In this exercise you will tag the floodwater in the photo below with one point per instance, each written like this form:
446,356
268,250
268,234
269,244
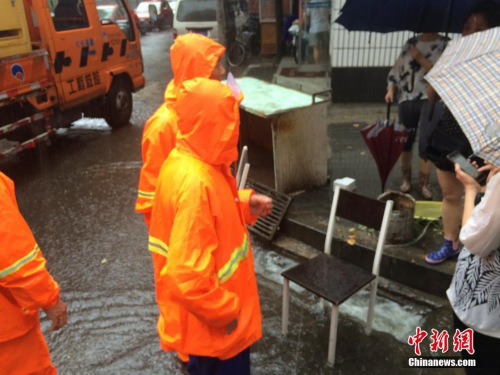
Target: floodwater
78,197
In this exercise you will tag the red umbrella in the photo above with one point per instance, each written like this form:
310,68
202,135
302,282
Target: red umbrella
386,140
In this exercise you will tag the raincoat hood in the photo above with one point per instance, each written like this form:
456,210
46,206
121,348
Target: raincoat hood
208,121
192,55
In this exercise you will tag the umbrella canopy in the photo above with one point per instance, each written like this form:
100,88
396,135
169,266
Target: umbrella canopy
467,78
386,16
385,140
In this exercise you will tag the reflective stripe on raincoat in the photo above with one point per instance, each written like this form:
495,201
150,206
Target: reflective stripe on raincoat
199,224
25,284
192,55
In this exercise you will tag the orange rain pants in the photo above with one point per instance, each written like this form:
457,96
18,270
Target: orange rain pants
26,354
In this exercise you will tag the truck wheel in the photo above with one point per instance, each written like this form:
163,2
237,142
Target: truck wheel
118,106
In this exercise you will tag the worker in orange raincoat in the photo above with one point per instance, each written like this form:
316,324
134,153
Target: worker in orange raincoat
192,55
25,287
207,291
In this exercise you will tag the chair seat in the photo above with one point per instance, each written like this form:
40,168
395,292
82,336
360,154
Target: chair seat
329,277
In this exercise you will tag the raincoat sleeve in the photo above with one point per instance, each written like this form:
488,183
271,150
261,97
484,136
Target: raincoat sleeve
244,197
22,265
157,142
191,274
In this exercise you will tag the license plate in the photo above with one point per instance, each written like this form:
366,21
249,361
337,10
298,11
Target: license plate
201,32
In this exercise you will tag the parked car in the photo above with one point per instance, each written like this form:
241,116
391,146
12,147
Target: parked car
109,12
155,14
198,16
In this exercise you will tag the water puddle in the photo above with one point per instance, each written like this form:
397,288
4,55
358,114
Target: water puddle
91,124
390,317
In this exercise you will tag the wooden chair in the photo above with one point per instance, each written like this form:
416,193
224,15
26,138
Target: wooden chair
332,278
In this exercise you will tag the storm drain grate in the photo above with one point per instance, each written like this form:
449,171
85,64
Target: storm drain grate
267,227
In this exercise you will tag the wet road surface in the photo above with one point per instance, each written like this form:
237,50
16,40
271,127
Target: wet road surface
78,197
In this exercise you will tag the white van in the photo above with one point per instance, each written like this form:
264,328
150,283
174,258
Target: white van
196,16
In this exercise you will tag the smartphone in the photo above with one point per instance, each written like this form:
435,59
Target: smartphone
467,167
479,161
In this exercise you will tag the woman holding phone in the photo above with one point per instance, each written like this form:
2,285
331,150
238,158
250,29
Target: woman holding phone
474,292
448,137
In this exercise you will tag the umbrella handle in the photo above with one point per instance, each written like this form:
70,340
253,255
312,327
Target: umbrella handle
412,80
388,111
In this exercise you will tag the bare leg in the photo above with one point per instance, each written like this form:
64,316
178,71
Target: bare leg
452,209
405,160
316,55
425,168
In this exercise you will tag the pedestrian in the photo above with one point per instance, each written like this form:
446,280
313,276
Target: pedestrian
474,292
407,76
207,291
448,137
317,17
25,287
192,55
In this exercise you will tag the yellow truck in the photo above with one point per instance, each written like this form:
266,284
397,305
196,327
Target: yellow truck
62,58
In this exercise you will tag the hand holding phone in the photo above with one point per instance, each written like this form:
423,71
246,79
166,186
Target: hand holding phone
467,167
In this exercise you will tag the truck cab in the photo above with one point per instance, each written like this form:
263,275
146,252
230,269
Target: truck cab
68,57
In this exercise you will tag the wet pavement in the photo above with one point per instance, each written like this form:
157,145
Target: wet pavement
78,197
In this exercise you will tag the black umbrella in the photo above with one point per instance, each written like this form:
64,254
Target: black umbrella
386,16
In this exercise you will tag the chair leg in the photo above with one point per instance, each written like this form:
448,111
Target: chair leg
286,304
332,344
371,307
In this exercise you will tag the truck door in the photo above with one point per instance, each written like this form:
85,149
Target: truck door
77,50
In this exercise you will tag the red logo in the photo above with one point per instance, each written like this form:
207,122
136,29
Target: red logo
439,341
462,340
417,339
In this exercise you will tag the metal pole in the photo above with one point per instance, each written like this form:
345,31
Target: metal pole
285,306
221,21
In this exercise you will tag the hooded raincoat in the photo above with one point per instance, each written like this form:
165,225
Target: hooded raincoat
199,224
25,286
192,55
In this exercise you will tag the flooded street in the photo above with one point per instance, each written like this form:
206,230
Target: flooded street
78,197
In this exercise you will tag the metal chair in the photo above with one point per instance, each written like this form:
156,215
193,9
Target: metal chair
332,278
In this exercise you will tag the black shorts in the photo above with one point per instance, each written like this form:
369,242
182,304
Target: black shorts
409,115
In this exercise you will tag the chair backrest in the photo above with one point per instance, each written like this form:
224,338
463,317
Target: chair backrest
363,210
241,164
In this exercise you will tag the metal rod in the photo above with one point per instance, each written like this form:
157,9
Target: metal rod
286,303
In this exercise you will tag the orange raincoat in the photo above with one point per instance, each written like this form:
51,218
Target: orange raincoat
25,286
199,224
192,55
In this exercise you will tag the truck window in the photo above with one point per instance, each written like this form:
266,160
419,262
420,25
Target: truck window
68,14
113,11
196,11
